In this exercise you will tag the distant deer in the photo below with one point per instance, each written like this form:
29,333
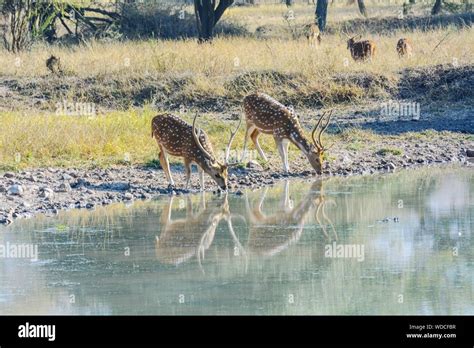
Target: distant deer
178,138
404,48
263,114
271,234
313,34
184,238
53,64
361,50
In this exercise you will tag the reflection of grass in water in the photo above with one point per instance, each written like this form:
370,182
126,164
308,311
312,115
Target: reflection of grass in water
100,226
96,227
61,228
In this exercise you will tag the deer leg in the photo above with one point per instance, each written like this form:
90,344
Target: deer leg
262,198
165,165
254,136
283,150
202,200
285,202
201,178
255,214
258,214
166,212
189,208
187,170
286,143
249,131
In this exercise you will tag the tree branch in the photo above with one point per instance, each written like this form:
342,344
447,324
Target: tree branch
114,15
223,5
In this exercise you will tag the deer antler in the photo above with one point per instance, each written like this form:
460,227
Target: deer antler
236,239
205,242
315,128
319,143
227,150
342,31
321,208
323,129
198,142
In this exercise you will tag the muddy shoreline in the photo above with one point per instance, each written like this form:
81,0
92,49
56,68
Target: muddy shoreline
46,191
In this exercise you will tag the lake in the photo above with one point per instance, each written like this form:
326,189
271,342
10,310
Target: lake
387,244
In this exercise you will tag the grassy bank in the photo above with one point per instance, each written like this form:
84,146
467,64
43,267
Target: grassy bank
123,138
167,74
103,140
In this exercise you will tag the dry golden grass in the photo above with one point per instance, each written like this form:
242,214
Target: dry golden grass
48,140
114,138
253,17
229,56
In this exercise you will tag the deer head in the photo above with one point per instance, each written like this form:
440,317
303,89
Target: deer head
316,154
216,170
352,40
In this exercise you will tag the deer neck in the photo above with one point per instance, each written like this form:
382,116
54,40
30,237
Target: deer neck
203,161
303,208
299,140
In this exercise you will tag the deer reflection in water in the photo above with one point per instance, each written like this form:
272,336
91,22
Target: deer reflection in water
271,234
183,238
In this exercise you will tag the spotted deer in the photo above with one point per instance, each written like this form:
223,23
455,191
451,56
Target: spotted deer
273,233
404,48
263,114
178,138
188,237
313,35
361,50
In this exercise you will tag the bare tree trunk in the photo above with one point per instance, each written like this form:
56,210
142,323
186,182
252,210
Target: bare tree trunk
362,8
321,13
437,7
208,14
16,34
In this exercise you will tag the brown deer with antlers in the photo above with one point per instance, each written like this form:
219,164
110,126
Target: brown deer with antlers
178,138
263,114
404,48
361,50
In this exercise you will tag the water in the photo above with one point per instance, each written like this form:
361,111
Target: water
404,243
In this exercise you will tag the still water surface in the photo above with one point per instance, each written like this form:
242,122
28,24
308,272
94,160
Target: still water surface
392,244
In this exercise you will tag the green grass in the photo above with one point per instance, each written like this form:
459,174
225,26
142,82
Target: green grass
390,151
124,138
114,138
